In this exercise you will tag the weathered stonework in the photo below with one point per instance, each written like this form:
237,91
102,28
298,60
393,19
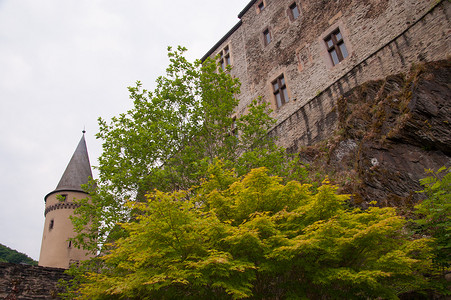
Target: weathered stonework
24,282
383,37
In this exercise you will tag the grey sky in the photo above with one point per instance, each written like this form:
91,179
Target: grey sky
63,64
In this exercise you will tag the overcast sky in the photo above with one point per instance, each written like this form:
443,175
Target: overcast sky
63,64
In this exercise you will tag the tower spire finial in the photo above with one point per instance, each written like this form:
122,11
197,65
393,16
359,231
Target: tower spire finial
84,129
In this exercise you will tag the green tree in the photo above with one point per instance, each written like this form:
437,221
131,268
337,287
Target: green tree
258,237
435,212
168,139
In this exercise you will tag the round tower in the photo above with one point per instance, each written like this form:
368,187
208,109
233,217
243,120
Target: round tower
56,250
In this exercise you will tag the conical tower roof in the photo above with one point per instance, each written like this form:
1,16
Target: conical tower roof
77,172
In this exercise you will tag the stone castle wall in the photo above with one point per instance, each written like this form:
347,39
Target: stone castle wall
425,40
20,282
383,37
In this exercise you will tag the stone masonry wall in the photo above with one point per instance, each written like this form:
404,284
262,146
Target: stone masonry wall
383,37
24,282
425,40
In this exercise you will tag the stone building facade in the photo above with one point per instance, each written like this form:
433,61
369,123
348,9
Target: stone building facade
300,55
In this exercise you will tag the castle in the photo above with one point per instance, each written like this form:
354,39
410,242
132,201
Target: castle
298,55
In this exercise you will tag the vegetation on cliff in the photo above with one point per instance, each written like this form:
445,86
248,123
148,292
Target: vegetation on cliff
389,131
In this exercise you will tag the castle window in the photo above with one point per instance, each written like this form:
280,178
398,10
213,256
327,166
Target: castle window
69,245
261,6
266,37
336,47
280,91
224,59
62,197
294,11
51,224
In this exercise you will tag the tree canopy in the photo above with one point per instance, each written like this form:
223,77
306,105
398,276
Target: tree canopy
435,213
169,138
256,237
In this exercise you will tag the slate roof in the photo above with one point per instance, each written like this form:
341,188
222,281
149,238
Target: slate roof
77,172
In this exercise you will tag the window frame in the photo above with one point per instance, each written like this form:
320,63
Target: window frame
225,58
280,90
336,47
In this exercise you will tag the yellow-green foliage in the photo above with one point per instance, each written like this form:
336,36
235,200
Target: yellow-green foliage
435,212
254,237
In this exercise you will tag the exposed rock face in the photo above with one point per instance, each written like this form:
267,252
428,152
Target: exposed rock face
24,282
390,131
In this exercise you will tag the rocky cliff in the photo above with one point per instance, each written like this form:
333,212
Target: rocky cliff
389,132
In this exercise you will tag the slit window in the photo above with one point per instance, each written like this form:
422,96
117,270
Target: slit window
280,91
336,47
51,224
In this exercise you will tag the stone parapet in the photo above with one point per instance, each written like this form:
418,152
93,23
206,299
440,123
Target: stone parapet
25,282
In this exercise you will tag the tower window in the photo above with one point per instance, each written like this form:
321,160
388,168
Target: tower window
51,224
69,245
62,197
280,91
336,47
